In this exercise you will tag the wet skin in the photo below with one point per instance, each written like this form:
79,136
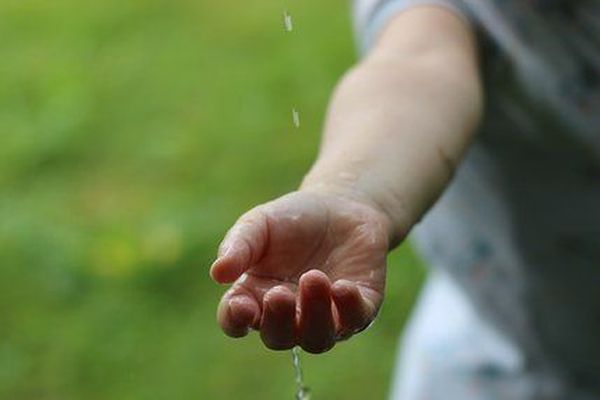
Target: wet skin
306,269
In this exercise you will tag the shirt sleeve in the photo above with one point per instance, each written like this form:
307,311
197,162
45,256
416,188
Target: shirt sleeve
371,16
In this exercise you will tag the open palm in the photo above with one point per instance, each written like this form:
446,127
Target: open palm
307,269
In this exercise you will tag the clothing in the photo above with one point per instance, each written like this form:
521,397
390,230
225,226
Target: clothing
517,232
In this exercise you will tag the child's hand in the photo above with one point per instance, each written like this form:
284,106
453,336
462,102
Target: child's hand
308,269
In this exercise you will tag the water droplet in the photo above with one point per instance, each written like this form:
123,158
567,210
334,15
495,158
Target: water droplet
242,278
287,21
296,118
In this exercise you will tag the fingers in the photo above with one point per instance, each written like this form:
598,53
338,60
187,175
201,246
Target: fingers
243,245
355,311
315,317
278,323
316,325
237,313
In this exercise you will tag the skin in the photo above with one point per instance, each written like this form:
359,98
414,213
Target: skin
309,268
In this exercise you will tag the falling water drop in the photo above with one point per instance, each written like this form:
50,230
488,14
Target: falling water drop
296,118
302,391
287,21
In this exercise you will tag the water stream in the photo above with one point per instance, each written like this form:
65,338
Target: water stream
302,391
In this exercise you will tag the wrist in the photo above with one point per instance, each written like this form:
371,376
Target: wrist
346,186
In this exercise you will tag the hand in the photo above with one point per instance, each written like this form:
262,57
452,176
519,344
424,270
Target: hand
307,269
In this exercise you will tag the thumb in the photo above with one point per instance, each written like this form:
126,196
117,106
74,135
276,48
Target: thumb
243,245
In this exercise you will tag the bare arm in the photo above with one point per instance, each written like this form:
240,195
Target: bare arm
309,267
400,121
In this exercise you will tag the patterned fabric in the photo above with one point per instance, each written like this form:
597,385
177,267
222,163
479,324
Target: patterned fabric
518,230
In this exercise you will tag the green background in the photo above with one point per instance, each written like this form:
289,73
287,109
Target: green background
132,134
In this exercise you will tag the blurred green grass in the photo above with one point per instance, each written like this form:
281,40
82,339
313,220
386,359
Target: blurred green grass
132,134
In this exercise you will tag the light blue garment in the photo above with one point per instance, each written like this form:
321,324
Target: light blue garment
517,233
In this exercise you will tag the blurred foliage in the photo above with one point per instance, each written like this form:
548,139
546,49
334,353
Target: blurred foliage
132,134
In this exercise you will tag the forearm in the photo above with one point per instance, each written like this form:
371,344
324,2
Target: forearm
397,126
